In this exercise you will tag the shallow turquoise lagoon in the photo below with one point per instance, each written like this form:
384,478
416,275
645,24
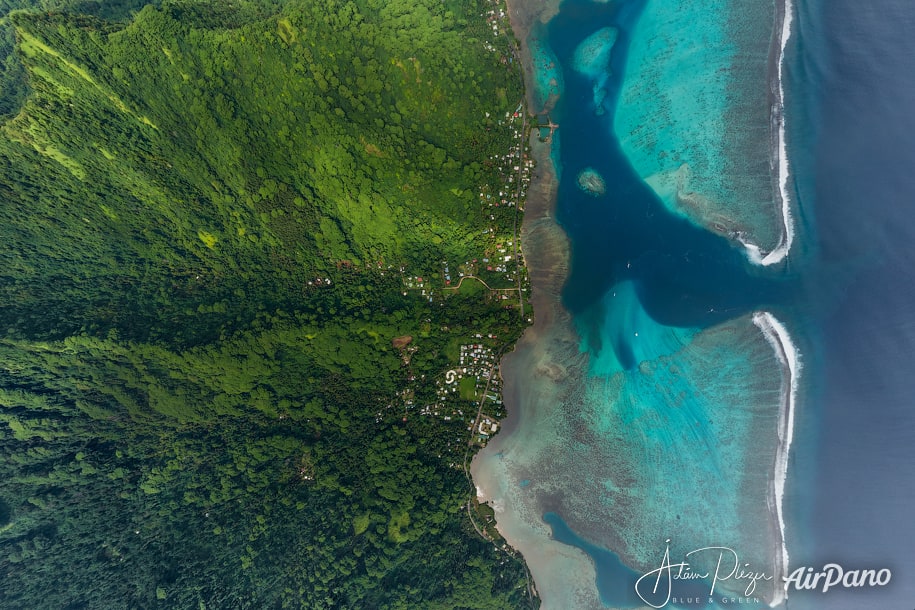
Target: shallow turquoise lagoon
693,115
651,413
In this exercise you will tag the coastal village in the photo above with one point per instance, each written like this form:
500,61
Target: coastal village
474,382
466,398
471,391
499,267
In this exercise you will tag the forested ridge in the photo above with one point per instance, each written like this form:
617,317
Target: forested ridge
207,209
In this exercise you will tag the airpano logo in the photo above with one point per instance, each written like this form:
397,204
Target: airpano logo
659,587
833,575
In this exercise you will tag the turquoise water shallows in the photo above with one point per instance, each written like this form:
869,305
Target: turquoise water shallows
628,335
654,414
592,59
693,113
687,447
546,74
592,56
615,578
629,441
615,583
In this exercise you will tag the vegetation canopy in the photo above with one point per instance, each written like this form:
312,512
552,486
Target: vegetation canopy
208,210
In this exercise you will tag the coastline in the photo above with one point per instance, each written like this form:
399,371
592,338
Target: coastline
523,19
545,248
779,163
563,576
786,352
548,263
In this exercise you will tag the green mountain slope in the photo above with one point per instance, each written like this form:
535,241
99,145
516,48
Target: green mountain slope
207,212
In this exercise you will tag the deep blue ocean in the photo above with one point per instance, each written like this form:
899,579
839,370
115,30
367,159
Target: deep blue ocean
851,84
847,293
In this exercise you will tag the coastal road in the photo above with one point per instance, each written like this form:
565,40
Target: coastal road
521,144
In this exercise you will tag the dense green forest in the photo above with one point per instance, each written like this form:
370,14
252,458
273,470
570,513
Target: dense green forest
207,210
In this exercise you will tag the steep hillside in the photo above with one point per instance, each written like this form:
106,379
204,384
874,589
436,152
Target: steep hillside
209,212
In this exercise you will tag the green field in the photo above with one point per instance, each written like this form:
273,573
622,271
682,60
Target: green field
467,388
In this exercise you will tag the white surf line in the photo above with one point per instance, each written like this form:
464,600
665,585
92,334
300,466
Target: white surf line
789,357
754,254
